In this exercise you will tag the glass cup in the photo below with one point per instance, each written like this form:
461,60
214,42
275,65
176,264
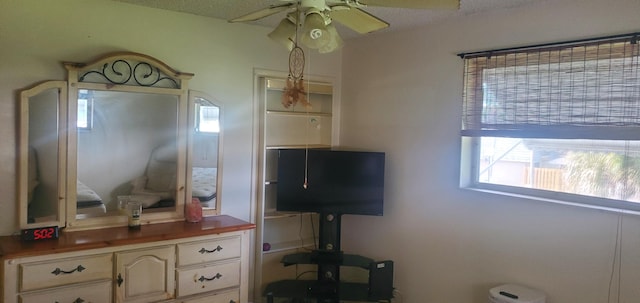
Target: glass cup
122,204
134,211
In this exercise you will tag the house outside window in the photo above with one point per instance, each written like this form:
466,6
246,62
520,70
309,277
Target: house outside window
556,122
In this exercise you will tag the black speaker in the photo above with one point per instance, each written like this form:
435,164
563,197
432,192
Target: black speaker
381,280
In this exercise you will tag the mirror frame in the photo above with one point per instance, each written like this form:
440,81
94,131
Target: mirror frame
68,136
193,95
119,72
23,153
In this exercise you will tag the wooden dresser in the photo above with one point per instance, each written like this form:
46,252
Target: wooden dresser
167,262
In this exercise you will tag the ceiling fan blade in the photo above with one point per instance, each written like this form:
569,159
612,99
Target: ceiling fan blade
419,4
358,20
265,12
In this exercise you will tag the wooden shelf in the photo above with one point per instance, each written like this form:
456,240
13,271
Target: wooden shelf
274,214
298,113
298,146
312,87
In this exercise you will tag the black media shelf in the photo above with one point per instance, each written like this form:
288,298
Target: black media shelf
328,288
320,258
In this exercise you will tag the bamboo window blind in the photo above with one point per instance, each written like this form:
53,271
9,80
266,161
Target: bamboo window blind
586,89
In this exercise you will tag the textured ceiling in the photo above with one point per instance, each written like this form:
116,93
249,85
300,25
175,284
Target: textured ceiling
398,18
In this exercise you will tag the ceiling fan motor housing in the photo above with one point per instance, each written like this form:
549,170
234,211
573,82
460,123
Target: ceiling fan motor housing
321,5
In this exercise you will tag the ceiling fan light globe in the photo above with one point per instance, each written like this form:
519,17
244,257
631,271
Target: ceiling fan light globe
284,33
314,31
335,42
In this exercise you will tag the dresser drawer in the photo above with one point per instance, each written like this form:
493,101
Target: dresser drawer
207,278
82,293
232,296
50,273
208,251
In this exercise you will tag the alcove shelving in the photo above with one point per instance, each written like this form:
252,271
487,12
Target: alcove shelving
282,233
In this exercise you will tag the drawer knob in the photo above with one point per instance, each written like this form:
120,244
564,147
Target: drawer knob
205,251
217,276
59,271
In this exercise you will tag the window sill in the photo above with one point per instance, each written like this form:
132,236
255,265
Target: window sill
588,204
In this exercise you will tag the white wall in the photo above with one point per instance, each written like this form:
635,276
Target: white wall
451,245
36,36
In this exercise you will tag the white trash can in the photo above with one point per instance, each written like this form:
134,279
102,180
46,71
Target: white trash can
512,293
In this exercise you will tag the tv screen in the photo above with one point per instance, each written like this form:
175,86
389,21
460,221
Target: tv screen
337,181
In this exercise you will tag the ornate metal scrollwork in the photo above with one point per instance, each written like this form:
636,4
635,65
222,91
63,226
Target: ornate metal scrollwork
122,72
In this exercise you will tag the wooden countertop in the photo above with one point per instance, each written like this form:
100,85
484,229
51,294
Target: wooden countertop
13,247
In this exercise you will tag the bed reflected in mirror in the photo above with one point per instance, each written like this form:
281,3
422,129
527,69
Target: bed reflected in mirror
127,146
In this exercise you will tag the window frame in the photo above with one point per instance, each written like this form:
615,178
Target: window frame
199,120
89,110
470,142
469,180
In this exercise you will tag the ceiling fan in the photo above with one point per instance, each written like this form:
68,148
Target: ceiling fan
315,19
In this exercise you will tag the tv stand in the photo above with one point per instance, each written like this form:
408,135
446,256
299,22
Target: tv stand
327,288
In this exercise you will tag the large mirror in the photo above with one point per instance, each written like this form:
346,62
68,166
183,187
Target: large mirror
41,181
127,146
127,128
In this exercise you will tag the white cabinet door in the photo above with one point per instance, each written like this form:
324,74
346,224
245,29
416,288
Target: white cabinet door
145,275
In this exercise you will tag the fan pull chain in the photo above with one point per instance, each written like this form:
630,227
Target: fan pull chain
306,135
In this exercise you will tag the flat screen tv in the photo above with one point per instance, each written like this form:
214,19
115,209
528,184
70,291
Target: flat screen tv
330,181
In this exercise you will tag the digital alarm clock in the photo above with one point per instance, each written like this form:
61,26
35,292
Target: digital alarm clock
40,233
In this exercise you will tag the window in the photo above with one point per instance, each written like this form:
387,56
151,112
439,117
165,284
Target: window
555,121
207,119
85,110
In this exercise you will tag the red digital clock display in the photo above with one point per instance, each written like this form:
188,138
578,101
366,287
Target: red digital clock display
42,233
